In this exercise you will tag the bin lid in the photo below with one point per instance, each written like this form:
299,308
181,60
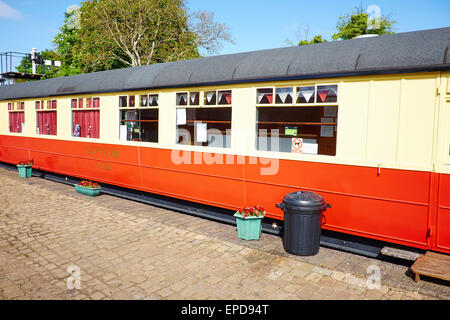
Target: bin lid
304,199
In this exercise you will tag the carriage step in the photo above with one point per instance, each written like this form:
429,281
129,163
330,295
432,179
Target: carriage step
399,253
432,265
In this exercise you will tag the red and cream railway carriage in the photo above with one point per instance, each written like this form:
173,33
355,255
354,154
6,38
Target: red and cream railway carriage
363,122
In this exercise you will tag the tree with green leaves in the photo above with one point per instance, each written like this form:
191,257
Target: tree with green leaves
122,33
316,39
48,72
358,23
66,41
350,26
110,34
303,39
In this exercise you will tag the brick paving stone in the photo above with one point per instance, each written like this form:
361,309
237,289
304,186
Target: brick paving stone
97,296
337,275
129,250
322,271
314,277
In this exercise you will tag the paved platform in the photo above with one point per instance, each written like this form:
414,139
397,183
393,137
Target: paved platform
57,244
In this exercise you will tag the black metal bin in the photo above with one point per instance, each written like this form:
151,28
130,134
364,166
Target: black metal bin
302,222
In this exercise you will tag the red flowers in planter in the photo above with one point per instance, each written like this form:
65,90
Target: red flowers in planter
25,163
89,184
256,211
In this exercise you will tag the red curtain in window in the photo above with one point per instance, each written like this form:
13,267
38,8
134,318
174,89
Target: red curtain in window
15,121
88,122
47,122
12,122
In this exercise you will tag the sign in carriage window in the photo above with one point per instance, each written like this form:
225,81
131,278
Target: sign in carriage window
204,121
46,117
16,117
86,117
139,123
300,119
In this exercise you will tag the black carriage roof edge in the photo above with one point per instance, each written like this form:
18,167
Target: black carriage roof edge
409,52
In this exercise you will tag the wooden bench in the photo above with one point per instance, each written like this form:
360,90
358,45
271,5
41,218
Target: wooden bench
432,265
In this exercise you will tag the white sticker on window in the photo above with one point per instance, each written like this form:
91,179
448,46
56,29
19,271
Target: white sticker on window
201,132
181,117
123,133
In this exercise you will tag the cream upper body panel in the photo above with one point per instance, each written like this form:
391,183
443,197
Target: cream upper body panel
443,126
389,121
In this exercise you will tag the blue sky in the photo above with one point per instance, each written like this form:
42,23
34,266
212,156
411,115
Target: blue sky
254,24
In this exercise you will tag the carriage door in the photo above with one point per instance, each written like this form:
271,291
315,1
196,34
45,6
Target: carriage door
442,234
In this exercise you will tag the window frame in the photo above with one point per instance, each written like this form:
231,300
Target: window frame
83,101
138,107
16,107
53,104
295,95
295,104
202,94
83,105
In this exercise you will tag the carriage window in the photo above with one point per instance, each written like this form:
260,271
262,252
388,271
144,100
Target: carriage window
16,117
46,120
153,100
86,119
307,129
140,123
207,124
327,94
86,124
123,101
224,97
306,94
131,101
264,96
194,98
284,95
144,101
182,99
210,98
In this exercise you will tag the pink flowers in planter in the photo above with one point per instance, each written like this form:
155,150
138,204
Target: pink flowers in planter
88,184
256,211
25,163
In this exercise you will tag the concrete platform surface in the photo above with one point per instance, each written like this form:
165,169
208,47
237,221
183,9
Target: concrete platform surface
58,244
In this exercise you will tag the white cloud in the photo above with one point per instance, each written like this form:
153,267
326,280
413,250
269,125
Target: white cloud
8,12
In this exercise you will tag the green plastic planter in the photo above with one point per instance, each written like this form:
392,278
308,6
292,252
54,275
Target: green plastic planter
24,171
92,192
248,228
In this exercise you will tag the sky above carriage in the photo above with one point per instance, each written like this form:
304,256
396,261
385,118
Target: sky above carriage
255,25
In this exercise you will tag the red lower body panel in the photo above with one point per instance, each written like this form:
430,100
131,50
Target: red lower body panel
399,206
442,225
